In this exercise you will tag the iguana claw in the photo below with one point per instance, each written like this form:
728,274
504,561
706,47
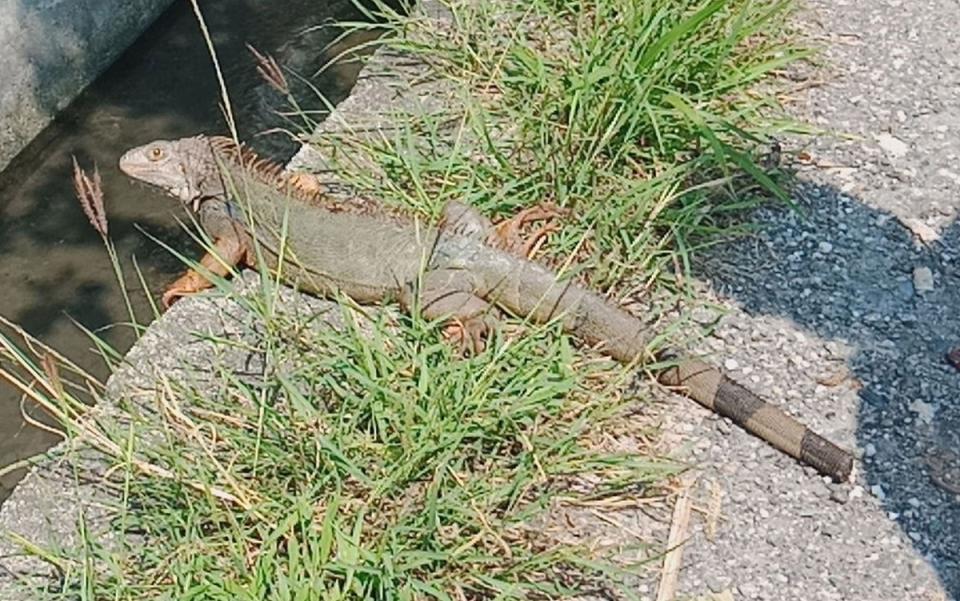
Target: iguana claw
468,336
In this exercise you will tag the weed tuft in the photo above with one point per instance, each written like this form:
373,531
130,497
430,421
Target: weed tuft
646,118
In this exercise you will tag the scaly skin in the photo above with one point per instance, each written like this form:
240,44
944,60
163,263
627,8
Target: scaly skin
448,270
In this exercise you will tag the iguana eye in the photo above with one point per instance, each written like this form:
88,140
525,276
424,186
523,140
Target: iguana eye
156,153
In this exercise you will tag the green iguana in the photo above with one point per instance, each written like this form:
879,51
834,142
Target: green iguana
454,269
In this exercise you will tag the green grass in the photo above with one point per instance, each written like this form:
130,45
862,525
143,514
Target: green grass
366,461
645,117
360,463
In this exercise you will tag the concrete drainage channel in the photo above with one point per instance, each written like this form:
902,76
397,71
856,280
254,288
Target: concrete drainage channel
52,51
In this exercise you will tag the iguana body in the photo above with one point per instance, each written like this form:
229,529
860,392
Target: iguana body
250,207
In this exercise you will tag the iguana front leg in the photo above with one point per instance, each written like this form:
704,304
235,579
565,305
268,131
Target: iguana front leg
229,252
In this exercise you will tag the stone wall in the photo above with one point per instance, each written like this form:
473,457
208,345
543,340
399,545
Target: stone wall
51,50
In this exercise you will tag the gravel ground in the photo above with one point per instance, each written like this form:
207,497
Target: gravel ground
845,315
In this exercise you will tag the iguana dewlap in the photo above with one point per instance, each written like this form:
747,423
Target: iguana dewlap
252,208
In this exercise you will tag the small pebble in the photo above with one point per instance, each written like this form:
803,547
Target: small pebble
839,494
921,230
877,491
925,411
892,146
953,357
922,279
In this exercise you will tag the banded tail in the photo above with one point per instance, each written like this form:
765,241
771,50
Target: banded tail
529,290
705,384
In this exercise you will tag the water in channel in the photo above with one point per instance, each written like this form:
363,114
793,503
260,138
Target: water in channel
53,266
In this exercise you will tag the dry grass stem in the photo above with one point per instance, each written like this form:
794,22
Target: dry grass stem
673,560
90,194
270,71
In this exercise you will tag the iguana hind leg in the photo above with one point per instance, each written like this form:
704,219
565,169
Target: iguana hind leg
230,251
448,294
508,234
463,220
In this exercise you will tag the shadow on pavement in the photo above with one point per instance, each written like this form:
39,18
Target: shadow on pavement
845,272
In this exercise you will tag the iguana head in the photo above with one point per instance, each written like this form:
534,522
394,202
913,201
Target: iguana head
185,169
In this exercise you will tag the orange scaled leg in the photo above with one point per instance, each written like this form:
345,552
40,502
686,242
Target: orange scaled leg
466,335
507,235
230,252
